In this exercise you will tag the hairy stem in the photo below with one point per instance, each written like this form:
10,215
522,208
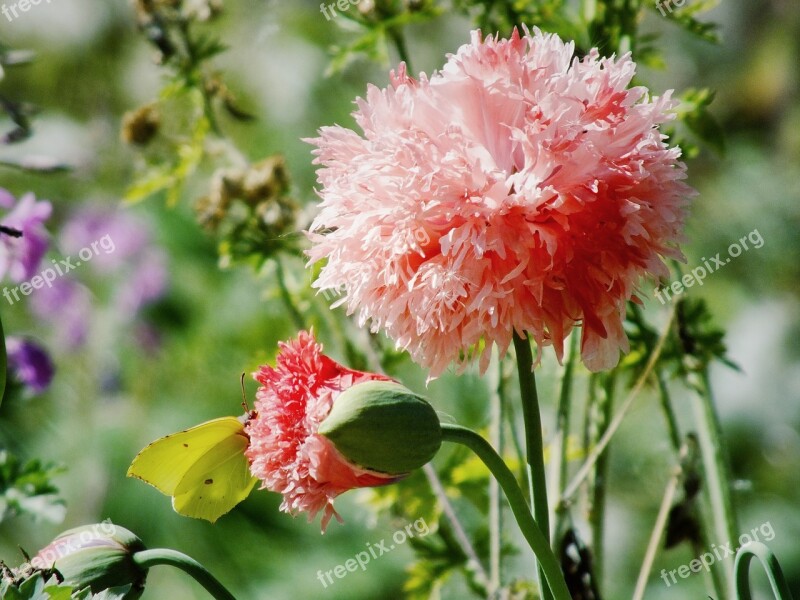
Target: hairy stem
532,531
163,556
534,445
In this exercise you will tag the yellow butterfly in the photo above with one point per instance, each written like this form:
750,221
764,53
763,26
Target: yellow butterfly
204,468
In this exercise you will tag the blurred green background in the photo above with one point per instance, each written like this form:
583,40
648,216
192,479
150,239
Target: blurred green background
179,363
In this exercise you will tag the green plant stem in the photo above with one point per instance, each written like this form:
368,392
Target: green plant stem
496,405
741,567
717,580
599,487
163,556
459,533
658,529
613,426
519,507
715,466
286,295
669,412
534,445
400,43
511,423
562,435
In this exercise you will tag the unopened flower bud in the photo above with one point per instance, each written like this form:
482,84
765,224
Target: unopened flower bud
383,426
98,556
141,125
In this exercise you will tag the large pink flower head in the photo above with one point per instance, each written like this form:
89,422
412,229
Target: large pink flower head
286,453
519,189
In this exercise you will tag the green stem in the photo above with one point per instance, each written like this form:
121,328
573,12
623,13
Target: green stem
519,452
562,435
715,467
495,498
534,446
669,411
286,295
519,507
717,580
163,556
599,487
741,567
400,43
460,535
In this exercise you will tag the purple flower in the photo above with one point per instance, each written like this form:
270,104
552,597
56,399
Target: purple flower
67,308
128,235
20,257
29,364
146,282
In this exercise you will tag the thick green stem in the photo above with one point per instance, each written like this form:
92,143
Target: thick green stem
163,556
534,445
741,567
519,507
715,466
717,580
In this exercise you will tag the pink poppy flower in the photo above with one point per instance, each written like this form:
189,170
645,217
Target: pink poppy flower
286,453
519,189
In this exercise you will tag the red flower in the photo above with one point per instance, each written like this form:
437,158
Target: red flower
286,453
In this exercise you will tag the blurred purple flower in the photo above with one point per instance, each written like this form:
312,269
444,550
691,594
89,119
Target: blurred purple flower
29,364
20,257
67,307
130,235
146,283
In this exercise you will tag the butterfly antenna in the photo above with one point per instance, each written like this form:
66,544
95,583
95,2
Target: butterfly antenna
244,396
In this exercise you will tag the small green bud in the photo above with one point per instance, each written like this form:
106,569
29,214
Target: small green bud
98,556
383,426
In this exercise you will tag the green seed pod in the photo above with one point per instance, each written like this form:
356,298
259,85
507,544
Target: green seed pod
383,426
98,556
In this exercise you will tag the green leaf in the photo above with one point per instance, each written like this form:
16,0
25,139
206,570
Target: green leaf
27,489
684,17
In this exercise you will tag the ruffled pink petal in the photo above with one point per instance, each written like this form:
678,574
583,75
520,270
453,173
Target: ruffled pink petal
285,451
519,189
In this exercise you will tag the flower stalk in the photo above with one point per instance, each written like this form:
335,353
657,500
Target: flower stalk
534,445
534,534
714,457
163,556
741,567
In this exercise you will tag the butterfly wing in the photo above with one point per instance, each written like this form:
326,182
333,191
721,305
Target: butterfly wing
216,482
203,468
